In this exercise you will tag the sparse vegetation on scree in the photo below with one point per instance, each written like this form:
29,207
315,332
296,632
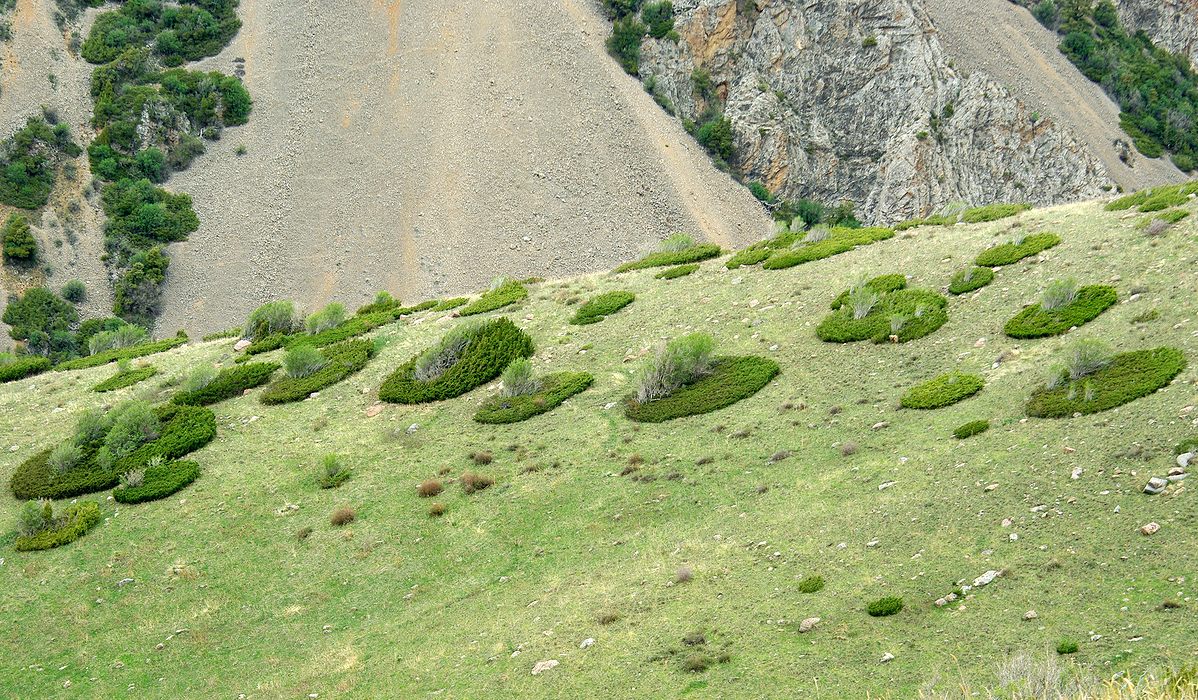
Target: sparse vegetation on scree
698,494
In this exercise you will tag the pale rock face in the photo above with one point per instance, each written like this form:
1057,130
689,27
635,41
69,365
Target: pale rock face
818,111
1172,24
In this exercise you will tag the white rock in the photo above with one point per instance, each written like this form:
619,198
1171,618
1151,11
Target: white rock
543,666
1183,459
1077,473
1150,529
986,578
586,642
807,625
1155,485
887,657
241,345
1030,615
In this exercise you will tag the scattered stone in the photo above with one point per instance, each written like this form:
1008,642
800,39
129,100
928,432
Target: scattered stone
1077,473
1177,471
413,428
609,405
1155,485
885,485
241,345
313,395
374,410
990,487
543,666
288,509
880,425
807,625
1007,522
981,343
586,642
986,578
1030,615
124,582
1183,460
1150,529
887,657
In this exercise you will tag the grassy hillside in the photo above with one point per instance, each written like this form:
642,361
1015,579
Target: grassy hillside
640,535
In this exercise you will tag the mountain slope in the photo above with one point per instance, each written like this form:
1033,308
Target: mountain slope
1005,41
211,593
425,148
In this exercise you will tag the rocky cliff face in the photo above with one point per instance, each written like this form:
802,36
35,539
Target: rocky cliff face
855,100
1172,24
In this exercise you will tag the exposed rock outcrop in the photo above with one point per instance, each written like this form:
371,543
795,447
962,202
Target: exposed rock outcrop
1172,24
857,101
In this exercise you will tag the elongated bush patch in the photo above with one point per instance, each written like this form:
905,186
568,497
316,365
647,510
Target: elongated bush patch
732,379
1035,322
602,306
945,390
229,383
555,389
123,379
1129,376
1011,253
343,359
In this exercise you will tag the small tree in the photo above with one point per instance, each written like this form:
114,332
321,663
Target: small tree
74,291
19,243
271,317
330,316
303,361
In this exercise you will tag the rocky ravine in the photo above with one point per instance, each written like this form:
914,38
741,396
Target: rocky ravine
858,101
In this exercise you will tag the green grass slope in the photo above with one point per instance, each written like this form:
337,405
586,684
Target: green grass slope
637,536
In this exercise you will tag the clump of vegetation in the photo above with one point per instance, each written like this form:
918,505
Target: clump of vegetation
602,306
40,529
962,213
303,361
883,309
971,428
885,607
811,584
342,516
970,279
333,472
473,483
503,292
468,356
44,321
678,249
1092,379
534,395
1016,250
518,379
125,336
74,291
429,488
336,363
29,160
118,354
945,390
229,383
159,479
273,317
1062,306
20,246
793,247
330,316
13,368
676,272
1067,646
125,377
198,378
685,378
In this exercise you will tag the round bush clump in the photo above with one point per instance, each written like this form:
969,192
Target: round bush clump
811,584
22,368
970,279
676,272
880,286
885,607
971,428
1013,252
1127,377
1037,322
505,293
601,307
1067,646
731,379
158,481
342,360
463,360
182,430
665,258
75,522
554,389
839,240
945,390
229,383
120,380
125,353
903,315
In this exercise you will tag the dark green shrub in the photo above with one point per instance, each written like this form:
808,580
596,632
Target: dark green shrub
1127,377
1011,253
666,258
274,341
839,240
992,212
731,379
884,607
602,306
184,429
922,312
1187,445
221,335
488,350
19,243
120,380
970,279
122,354
676,272
760,191
77,519
715,135
811,584
1088,304
660,18
74,291
22,367
554,389
971,428
945,390
502,293
449,304
624,44
881,285
136,295
343,359
272,318
29,160
1067,646
230,383
44,321
158,481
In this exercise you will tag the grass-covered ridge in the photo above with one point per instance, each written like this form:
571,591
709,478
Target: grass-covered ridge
599,527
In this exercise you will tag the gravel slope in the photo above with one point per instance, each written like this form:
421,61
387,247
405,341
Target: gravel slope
1005,41
426,147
